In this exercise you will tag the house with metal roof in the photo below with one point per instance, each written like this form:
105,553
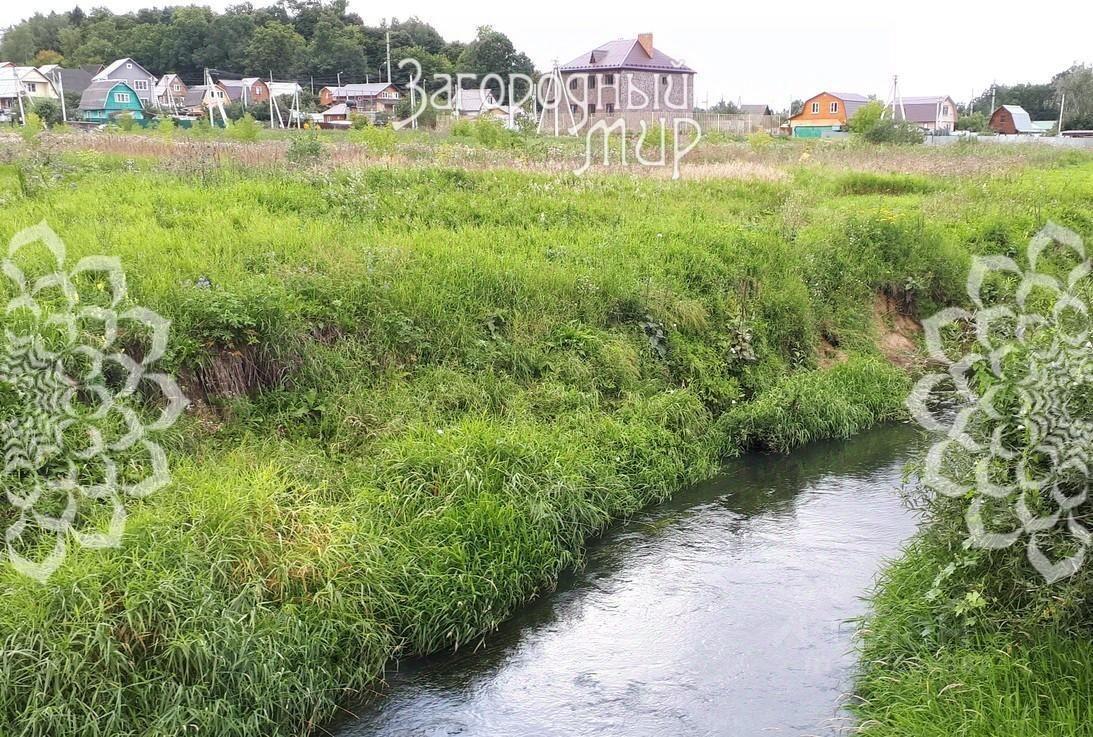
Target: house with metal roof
107,99
628,75
1009,120
935,114
373,97
139,79
826,112
25,84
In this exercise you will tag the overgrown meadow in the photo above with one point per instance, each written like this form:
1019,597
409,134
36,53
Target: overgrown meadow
418,391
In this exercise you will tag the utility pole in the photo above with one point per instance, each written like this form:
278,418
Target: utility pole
1062,105
313,84
388,57
61,89
993,90
271,101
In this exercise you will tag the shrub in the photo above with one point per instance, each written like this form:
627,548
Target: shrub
760,140
32,126
975,122
165,128
887,130
377,138
304,149
867,116
358,121
463,128
245,129
49,111
126,122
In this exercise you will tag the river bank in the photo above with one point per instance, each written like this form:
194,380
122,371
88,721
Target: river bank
418,393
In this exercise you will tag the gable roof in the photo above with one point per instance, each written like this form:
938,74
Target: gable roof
195,96
340,109
370,89
472,100
1021,119
922,110
165,81
755,109
624,53
13,77
94,97
115,65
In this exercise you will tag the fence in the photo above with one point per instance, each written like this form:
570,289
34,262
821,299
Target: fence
731,124
1058,141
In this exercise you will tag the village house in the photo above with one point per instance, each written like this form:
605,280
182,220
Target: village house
106,99
247,91
375,97
25,84
170,91
626,75
471,103
825,112
336,116
139,79
756,110
72,81
201,98
935,114
1010,120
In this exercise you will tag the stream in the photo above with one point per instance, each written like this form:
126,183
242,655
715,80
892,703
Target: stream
723,611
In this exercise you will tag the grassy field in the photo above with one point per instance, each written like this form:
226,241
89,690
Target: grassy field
419,389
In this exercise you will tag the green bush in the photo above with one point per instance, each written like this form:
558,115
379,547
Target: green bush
892,131
378,138
49,111
463,128
304,148
126,122
245,129
866,117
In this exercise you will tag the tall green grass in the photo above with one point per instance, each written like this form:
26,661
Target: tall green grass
442,384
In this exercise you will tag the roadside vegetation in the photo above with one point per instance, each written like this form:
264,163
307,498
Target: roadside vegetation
419,390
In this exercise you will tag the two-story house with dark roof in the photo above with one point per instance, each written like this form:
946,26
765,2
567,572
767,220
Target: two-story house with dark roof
627,75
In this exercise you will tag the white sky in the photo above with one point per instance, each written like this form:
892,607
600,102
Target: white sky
769,52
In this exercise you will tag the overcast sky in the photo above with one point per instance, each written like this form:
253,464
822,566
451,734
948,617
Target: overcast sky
768,52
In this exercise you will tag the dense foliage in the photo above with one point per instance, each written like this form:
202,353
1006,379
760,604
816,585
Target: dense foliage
297,39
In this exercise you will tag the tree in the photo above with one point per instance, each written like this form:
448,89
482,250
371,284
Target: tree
491,52
275,49
1037,99
47,56
975,122
866,117
1076,84
336,48
48,111
724,107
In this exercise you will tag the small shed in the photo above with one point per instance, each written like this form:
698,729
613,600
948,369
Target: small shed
1009,120
336,112
106,99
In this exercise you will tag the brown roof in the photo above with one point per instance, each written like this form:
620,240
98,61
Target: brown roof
625,53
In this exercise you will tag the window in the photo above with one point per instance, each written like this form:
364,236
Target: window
592,81
834,107
592,108
664,79
572,83
122,97
609,79
815,108
176,87
574,109
610,107
945,109
128,66
140,85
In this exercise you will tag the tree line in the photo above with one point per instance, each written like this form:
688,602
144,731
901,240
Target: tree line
292,39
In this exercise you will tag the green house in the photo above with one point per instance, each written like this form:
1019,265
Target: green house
105,99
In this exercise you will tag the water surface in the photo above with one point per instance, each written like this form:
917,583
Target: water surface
721,612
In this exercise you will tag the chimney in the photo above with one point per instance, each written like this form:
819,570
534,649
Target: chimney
646,41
